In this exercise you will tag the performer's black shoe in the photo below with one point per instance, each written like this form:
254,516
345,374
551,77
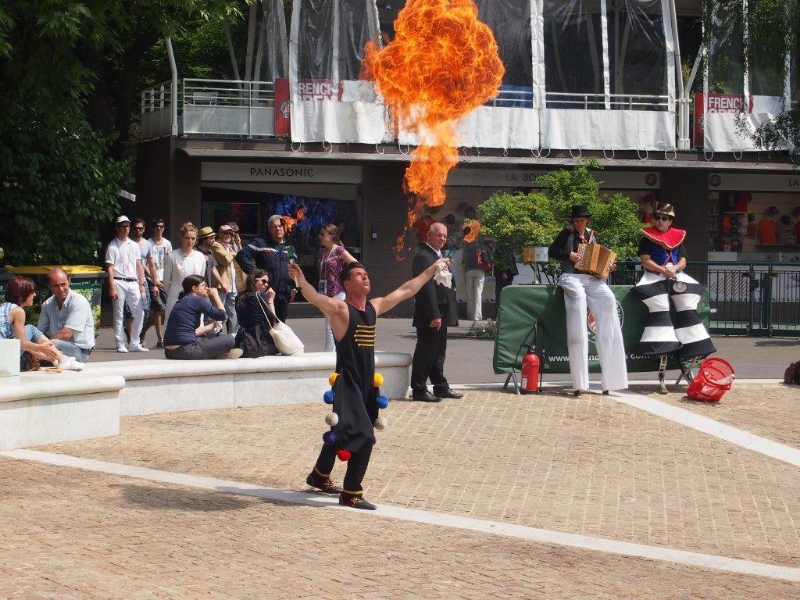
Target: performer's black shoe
323,484
425,396
576,393
355,501
448,393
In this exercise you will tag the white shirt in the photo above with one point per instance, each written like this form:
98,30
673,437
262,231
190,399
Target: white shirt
124,256
159,252
75,314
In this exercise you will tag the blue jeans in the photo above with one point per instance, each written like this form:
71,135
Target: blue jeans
69,349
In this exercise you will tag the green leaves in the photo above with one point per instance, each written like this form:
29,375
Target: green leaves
535,219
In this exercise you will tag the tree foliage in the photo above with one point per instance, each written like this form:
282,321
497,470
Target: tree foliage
770,29
535,218
69,73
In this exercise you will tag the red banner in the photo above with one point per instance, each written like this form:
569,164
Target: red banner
283,108
717,103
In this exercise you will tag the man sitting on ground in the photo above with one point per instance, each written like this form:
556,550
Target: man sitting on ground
67,318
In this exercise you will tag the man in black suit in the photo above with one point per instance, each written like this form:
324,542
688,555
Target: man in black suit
272,255
434,310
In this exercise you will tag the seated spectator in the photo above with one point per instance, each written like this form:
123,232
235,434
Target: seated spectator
67,318
19,294
255,306
186,338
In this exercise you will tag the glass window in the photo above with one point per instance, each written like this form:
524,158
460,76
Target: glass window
573,53
637,53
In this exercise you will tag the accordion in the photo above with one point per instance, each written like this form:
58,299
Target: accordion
595,260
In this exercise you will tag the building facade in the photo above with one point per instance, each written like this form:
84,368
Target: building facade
608,79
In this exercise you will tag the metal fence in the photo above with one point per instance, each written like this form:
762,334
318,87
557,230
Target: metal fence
746,298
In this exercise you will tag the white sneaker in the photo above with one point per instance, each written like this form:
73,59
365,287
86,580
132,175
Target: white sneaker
122,349
69,363
137,348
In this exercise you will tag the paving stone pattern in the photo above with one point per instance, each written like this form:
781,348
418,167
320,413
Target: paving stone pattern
72,534
586,465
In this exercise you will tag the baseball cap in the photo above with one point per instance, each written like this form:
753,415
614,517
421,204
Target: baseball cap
122,219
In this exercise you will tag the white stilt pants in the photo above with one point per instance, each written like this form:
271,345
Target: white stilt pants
582,292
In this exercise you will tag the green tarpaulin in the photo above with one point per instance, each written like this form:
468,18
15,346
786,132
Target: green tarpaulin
528,311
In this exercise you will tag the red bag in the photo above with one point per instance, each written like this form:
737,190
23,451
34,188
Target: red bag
484,261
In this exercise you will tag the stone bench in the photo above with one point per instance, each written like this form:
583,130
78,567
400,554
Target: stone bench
158,385
41,408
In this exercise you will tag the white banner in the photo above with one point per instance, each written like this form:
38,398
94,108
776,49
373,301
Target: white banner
608,129
723,130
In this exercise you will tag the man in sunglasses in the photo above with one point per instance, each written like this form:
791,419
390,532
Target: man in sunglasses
673,326
581,291
160,249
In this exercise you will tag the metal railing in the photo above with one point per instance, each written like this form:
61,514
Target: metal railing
210,107
156,107
601,101
746,298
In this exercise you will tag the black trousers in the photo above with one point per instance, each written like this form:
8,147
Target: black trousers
428,362
356,466
281,308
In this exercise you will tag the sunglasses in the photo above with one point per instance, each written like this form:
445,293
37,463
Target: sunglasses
123,224
138,228
264,281
662,218
159,227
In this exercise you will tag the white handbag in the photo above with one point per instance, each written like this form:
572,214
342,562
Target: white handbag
285,340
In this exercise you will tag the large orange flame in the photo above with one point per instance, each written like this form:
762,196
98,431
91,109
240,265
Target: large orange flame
474,229
442,65
290,222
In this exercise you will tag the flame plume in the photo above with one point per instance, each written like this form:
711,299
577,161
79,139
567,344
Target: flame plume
290,222
442,65
474,229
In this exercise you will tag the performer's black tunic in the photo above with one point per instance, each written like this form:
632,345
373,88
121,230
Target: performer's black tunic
354,389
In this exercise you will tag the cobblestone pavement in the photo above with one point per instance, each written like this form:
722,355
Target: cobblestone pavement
590,466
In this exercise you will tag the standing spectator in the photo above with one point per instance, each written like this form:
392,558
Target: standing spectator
582,290
505,269
475,274
272,256
205,242
137,235
181,263
186,337
66,318
331,259
434,311
126,284
160,249
355,395
224,251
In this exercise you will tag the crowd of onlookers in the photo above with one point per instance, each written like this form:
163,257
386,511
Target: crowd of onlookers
203,297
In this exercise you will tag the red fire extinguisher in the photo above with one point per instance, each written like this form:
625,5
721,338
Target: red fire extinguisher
529,372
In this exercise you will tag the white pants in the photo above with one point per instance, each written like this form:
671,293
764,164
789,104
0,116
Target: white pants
330,345
127,293
474,279
229,303
582,292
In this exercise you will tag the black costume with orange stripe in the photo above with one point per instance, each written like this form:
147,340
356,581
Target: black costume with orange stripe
354,399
